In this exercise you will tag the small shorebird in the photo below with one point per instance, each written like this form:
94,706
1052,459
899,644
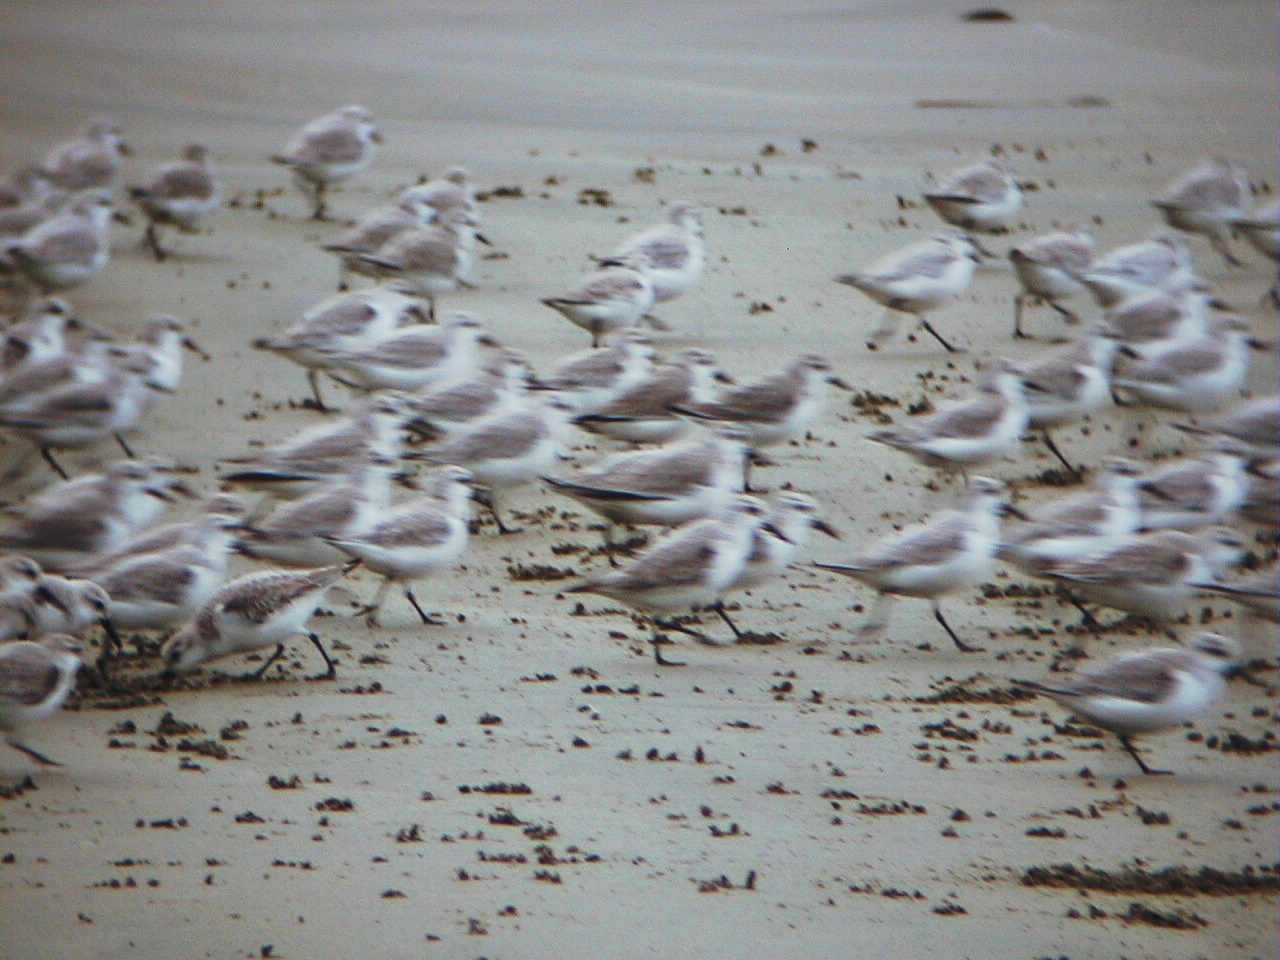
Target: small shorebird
1140,267
1251,430
692,566
346,321
294,534
1151,574
984,197
1049,269
1066,384
915,279
73,522
178,194
1202,373
410,357
1079,525
251,612
375,228
92,160
70,248
1147,690
644,412
427,261
453,405
1208,199
952,552
311,458
975,430
1176,310
407,542
667,485
329,149
773,408
613,297
595,377
1193,493
506,449
674,250
35,679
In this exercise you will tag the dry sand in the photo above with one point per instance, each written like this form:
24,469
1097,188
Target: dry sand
876,818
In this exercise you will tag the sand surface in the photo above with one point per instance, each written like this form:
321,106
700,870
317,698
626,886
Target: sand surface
525,783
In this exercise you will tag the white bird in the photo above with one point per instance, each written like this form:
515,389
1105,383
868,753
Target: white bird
1193,493
915,279
429,261
1066,384
1049,269
615,296
179,194
92,160
330,149
1140,267
1203,373
1208,199
1147,690
410,357
35,679
595,377
70,248
674,249
952,552
983,197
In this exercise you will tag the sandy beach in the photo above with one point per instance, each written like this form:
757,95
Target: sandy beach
524,781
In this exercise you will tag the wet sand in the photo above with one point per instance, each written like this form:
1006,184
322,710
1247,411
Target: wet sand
525,782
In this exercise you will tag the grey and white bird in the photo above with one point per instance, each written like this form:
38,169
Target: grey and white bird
330,149
179,194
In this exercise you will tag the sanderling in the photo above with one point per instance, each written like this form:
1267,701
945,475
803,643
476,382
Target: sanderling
345,321
93,159
613,297
593,378
915,279
644,412
410,357
1140,267
1202,373
328,149
1177,310
692,566
15,222
39,337
316,455
453,405
952,552
81,413
23,186
70,248
776,546
179,194
664,485
374,229
1151,574
293,535
67,524
1251,430
453,189
1066,384
506,449
429,261
1079,525
1258,593
1188,494
163,589
206,526
407,542
1049,269
1147,690
984,197
674,250
1208,199
251,612
975,430
774,408
35,678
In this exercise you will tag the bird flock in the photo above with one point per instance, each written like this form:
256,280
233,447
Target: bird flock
443,416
